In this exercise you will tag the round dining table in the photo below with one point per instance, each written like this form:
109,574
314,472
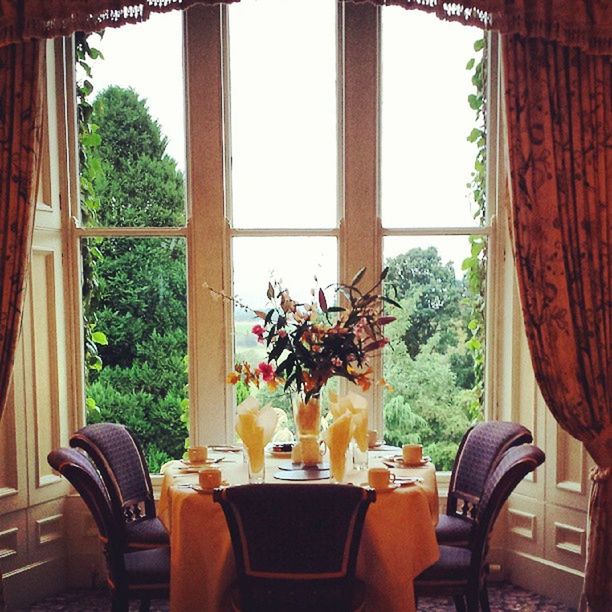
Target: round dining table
398,540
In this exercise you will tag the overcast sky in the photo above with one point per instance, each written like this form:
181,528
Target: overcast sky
287,177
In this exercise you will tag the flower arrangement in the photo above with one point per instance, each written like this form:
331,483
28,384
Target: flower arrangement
309,343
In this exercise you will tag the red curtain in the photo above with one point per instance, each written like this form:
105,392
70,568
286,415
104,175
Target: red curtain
20,138
559,117
20,134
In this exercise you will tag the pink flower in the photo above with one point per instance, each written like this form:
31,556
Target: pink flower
336,361
267,371
259,331
282,333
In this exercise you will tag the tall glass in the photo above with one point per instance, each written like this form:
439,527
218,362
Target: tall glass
255,464
359,445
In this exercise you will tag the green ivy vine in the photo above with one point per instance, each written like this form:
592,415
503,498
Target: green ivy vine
475,265
90,171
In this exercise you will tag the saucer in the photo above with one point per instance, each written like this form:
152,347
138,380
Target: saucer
199,464
279,454
392,486
398,461
199,489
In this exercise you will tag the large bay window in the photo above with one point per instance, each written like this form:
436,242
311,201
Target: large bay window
320,138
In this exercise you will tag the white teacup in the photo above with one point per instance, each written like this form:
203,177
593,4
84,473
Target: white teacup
380,477
412,454
210,478
197,454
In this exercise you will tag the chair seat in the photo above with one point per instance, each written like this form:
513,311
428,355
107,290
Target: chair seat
453,530
148,568
303,596
452,567
147,533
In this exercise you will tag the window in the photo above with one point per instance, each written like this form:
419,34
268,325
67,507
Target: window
322,137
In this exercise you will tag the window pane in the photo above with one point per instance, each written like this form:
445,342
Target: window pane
138,323
433,364
295,261
283,113
137,167
426,159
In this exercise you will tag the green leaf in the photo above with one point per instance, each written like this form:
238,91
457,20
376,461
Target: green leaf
270,292
91,140
470,64
358,276
474,135
479,44
474,101
100,338
384,298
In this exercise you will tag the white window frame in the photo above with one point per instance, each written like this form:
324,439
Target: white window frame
208,194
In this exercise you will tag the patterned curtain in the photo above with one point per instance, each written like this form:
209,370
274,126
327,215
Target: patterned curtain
559,117
583,23
20,137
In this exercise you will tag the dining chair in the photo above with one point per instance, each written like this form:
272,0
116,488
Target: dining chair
143,574
117,454
296,545
479,452
461,572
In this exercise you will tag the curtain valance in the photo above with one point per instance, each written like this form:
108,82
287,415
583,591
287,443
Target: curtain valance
22,20
586,24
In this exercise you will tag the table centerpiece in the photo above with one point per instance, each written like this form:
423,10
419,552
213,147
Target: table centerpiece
308,343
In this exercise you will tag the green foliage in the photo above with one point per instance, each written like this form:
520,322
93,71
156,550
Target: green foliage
140,282
90,174
430,376
420,273
475,265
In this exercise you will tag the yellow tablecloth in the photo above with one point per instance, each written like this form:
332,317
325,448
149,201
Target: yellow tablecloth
398,540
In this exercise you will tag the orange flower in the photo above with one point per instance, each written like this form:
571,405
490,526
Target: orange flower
363,379
232,378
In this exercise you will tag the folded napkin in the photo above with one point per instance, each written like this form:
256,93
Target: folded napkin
255,427
337,437
357,406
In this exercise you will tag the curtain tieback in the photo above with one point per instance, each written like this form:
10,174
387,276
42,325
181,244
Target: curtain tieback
600,474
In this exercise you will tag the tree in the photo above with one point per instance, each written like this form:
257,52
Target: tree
420,274
142,281
427,366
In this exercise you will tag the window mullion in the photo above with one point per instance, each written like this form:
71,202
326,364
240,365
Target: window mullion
207,249
360,228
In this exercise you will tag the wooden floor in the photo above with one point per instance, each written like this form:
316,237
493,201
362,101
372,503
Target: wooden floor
504,598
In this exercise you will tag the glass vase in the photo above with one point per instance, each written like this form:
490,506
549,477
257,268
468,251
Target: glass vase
307,416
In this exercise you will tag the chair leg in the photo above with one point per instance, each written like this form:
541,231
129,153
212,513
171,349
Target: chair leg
459,601
145,604
472,601
120,603
484,599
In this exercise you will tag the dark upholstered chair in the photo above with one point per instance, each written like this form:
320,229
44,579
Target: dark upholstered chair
119,458
478,454
296,545
461,572
143,574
